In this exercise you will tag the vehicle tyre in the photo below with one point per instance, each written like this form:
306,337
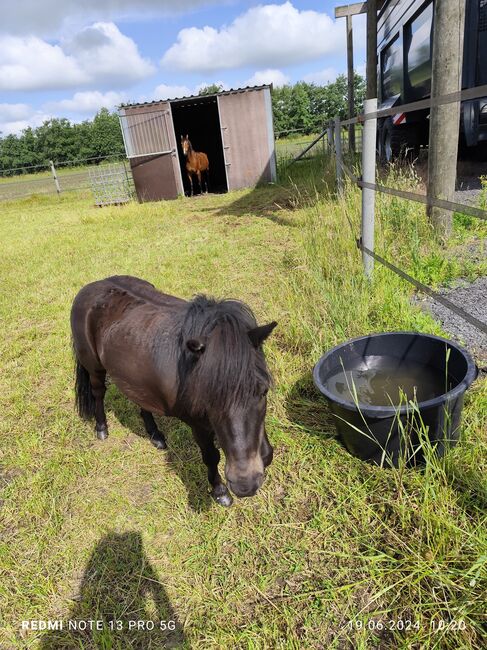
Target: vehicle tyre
398,142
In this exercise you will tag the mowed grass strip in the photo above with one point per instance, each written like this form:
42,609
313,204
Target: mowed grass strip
331,553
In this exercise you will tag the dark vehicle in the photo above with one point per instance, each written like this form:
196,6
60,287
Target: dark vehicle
405,45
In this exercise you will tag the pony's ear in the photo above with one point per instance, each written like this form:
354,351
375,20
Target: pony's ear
259,334
195,345
187,136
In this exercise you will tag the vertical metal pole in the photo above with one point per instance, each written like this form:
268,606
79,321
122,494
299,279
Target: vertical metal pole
54,175
368,176
338,156
350,77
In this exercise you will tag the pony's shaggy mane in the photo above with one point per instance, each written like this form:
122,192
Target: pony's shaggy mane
230,370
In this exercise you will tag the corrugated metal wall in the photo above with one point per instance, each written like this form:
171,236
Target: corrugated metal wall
150,144
245,123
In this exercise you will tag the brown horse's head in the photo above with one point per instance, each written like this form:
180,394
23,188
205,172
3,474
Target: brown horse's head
224,383
185,144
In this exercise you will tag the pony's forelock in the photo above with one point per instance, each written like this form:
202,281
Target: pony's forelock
230,371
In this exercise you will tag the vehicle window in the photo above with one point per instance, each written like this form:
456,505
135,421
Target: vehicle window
391,62
419,50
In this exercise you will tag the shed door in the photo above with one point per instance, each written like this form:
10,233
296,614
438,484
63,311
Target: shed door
247,136
151,148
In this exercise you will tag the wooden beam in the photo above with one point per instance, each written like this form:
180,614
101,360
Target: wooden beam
448,34
371,91
350,79
351,10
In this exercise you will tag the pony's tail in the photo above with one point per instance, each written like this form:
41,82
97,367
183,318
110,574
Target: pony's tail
85,402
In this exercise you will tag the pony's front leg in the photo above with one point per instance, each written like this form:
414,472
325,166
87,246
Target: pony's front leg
198,174
156,437
98,389
211,458
190,176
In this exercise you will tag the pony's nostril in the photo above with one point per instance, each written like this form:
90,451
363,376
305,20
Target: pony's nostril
246,488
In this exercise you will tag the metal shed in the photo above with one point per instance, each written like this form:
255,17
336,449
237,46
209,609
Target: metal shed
234,128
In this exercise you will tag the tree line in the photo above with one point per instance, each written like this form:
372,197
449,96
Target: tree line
303,107
307,107
60,140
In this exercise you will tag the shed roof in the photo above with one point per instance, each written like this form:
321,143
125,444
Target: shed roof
232,91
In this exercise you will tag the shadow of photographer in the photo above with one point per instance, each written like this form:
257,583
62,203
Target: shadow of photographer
120,605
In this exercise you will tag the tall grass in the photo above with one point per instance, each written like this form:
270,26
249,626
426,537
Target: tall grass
332,552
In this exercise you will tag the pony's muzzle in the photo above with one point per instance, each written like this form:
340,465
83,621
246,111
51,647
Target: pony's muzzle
246,487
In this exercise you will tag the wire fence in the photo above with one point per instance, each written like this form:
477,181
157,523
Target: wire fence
367,183
41,179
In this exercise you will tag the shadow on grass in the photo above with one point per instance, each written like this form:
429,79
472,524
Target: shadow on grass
119,588
182,453
306,408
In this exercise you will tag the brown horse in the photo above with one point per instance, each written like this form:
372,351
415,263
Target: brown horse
200,361
196,163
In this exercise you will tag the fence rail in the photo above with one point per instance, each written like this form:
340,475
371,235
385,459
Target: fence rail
366,240
50,179
477,92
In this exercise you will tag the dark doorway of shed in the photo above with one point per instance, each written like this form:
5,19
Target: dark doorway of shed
199,119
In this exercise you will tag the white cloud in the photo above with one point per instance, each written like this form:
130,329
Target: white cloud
14,121
267,35
46,17
269,76
321,77
88,102
97,54
163,91
28,63
11,112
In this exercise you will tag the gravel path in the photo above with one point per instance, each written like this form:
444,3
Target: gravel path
468,190
473,299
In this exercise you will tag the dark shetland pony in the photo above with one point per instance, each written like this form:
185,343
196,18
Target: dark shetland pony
200,361
196,163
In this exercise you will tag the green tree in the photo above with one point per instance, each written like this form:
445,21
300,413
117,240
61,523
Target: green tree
105,134
211,89
308,107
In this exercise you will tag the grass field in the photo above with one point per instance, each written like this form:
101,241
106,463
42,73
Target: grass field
332,553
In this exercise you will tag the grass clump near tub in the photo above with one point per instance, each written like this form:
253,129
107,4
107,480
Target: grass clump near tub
332,552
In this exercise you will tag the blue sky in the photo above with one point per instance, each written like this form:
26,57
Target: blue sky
68,59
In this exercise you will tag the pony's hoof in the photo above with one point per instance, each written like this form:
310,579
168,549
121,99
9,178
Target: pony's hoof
223,498
101,432
159,443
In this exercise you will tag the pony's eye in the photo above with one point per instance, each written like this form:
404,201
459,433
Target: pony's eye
264,393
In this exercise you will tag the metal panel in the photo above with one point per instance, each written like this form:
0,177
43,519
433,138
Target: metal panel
146,131
154,178
249,155
150,144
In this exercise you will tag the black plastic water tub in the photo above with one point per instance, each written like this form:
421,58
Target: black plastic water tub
382,432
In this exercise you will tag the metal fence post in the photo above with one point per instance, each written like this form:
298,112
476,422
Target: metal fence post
368,176
338,156
54,175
